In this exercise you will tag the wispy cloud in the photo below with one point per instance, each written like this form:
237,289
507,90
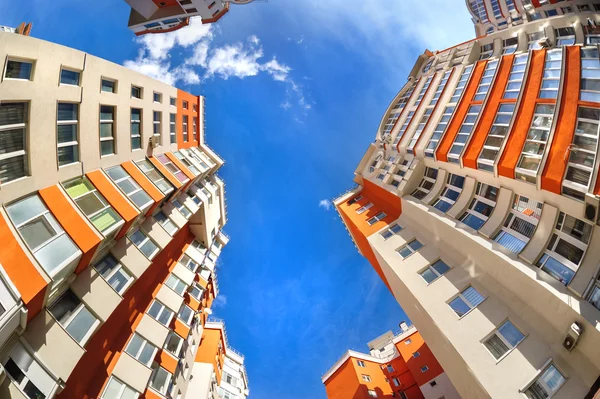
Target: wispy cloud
220,301
202,61
325,204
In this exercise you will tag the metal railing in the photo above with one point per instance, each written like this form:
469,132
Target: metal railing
212,319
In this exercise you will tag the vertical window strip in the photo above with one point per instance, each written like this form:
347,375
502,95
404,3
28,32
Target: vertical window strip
496,9
136,128
423,90
517,74
451,192
535,143
486,80
426,184
465,131
478,9
107,130
157,117
13,147
439,131
520,224
67,133
404,99
590,75
552,72
185,129
481,207
172,130
404,127
495,138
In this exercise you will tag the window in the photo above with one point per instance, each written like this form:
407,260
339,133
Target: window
451,192
187,163
515,79
136,92
195,128
396,382
423,90
546,384
360,363
183,209
157,117
185,129
107,131
376,218
495,138
424,369
434,271
363,208
144,243
390,231
13,142
141,349
582,154
535,144
196,291
478,9
432,384
108,86
186,314
159,181
486,51
50,245
69,77
439,131
174,343
173,101
533,40
409,249
520,224
503,339
390,368
72,314
366,378
481,206
67,129
426,184
190,11
408,342
566,248
136,128
466,301
160,313
464,133
172,131
185,104
372,393
172,168
116,389
590,75
27,374
165,222
18,69
188,262
355,199
114,273
175,283
404,127
157,97
416,354
551,77
130,188
565,36
509,45
160,379
486,81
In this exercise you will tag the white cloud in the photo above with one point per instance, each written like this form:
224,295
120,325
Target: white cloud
325,204
220,301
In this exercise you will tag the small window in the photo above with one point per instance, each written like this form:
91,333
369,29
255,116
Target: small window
129,187
188,263
408,342
116,389
182,208
376,218
174,343
108,86
360,363
173,101
191,10
433,383
157,97
409,249
390,368
160,380
390,231
165,222
144,244
196,291
396,382
546,384
434,271
140,349
69,77
372,393
362,209
75,318
172,131
185,104
355,199
136,92
424,369
366,378
107,130
175,283
416,354
160,313
186,314
114,273
503,339
467,300
195,107
157,118
18,69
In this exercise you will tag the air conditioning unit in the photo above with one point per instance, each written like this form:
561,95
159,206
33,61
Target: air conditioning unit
154,141
545,42
592,203
572,336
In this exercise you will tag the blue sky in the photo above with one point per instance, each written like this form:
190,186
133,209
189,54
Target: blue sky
295,92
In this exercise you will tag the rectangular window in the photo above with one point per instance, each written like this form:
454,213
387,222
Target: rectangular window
416,354
566,248
535,144
175,283
503,339
363,208
434,271
509,45
366,378
108,86
520,224
114,273
409,249
144,243
517,74
13,141
372,393
75,318
172,168
423,90
129,187
376,218
486,51
157,118
186,314
27,374
465,131
160,313
159,181
67,133
43,235
157,97
185,129
185,104
486,81
140,349
426,184
404,127
69,77
187,163
407,342
451,192
107,131
396,382
546,384
196,291
116,389
17,69
195,128
481,206
182,208
439,131
424,369
355,199
136,92
551,77
565,36
390,368
160,379
188,262
467,300
165,222
390,231
172,130
173,101
360,363
495,138
173,343
136,128
590,75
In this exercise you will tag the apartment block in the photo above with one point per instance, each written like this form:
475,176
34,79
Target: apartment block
398,365
478,205
153,16
111,223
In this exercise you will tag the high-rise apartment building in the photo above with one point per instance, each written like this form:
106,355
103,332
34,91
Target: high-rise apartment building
478,205
111,224
398,365
154,16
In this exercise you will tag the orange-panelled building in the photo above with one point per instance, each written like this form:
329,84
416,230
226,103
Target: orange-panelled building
111,231
478,203
398,365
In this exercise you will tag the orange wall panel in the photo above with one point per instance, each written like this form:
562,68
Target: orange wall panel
167,361
181,328
191,99
180,165
558,156
426,358
347,382
461,111
488,114
518,134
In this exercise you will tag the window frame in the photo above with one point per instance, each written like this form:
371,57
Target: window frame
147,168
145,343
513,213
157,125
479,197
429,178
162,309
122,389
24,128
379,216
113,81
165,222
143,242
496,332
431,267
20,60
73,315
449,187
112,123
62,122
136,188
410,248
550,363
139,89
460,296
60,76
118,268
167,385
390,231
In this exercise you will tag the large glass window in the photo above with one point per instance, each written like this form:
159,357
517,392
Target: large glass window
486,80
73,315
50,245
160,379
67,133
172,168
426,184
510,45
546,384
481,206
18,69
136,128
157,178
551,77
28,374
535,144
107,131
590,75
439,131
113,272
116,389
565,36
517,74
451,192
157,118
465,131
467,300
140,349
186,314
503,339
495,138
160,313
13,141
129,187
165,222
520,224
173,343
144,243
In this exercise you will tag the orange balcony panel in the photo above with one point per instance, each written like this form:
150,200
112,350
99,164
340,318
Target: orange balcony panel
150,394
181,328
181,166
203,283
145,183
84,235
192,302
158,165
167,361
